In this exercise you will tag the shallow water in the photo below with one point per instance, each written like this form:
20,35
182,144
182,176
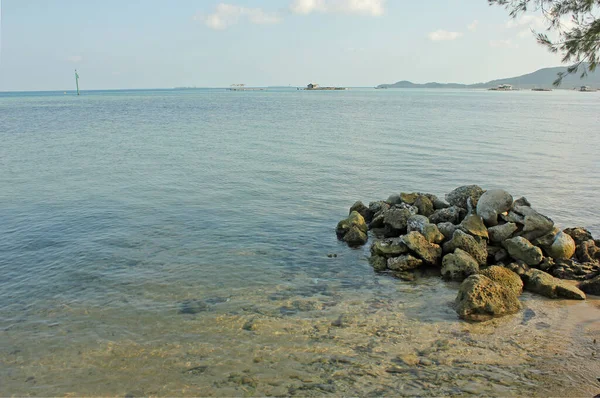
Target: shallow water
122,211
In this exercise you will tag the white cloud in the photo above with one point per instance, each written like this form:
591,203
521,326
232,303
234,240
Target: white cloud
75,58
531,21
502,44
226,15
473,26
443,35
358,7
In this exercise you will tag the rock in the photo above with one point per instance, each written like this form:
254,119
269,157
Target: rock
546,264
397,218
355,237
460,240
424,205
546,240
409,198
353,220
394,199
404,262
496,254
492,203
363,210
450,214
545,284
473,224
591,286
562,247
578,234
379,263
505,277
447,229
429,252
421,224
193,306
513,217
587,252
569,269
458,265
535,224
500,233
519,268
521,249
460,195
437,202
388,248
480,298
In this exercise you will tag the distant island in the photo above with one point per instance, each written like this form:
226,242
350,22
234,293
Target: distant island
542,78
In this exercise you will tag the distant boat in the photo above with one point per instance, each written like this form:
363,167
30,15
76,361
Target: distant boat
586,89
541,89
502,87
316,87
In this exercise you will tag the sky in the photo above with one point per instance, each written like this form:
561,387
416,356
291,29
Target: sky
127,44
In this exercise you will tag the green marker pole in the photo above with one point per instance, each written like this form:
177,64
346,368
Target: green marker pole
77,81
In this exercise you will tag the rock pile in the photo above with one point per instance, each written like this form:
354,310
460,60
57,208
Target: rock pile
491,243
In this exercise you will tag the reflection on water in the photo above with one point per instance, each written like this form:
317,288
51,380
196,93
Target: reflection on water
175,243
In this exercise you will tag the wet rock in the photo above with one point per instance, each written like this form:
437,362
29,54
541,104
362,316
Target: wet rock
587,252
562,247
416,223
569,269
513,217
379,263
546,264
500,233
535,224
460,195
432,233
591,286
476,248
361,209
389,247
193,306
394,199
352,230
307,305
458,265
437,202
405,275
492,203
429,252
578,234
343,321
447,229
473,224
545,284
505,277
421,224
397,218
404,262
450,214
519,268
521,249
409,198
480,298
424,204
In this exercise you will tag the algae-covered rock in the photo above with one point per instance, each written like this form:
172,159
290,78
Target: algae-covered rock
397,218
473,225
505,277
458,265
480,298
355,237
447,229
404,262
425,205
352,230
409,198
429,252
421,224
460,196
388,248
476,248
379,263
361,209
492,203
545,284
521,249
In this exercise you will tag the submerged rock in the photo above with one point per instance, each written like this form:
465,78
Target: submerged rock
460,240
480,298
458,265
492,203
429,252
460,195
522,249
505,277
545,284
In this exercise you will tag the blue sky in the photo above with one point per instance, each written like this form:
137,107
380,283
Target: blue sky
205,43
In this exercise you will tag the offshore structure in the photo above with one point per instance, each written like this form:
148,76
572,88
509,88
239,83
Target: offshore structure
77,81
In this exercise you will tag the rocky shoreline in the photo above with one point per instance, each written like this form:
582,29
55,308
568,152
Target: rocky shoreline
495,245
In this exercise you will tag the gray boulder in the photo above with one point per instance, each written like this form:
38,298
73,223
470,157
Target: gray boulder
505,277
522,249
397,218
404,262
450,214
447,229
421,224
492,203
535,224
416,223
460,195
500,233
480,298
473,224
429,252
476,248
545,284
394,199
458,265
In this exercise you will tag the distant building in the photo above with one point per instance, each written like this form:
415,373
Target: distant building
312,86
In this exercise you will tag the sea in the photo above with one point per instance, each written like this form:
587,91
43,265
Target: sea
182,242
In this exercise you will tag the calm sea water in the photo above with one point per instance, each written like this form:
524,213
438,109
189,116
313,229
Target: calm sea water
120,209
